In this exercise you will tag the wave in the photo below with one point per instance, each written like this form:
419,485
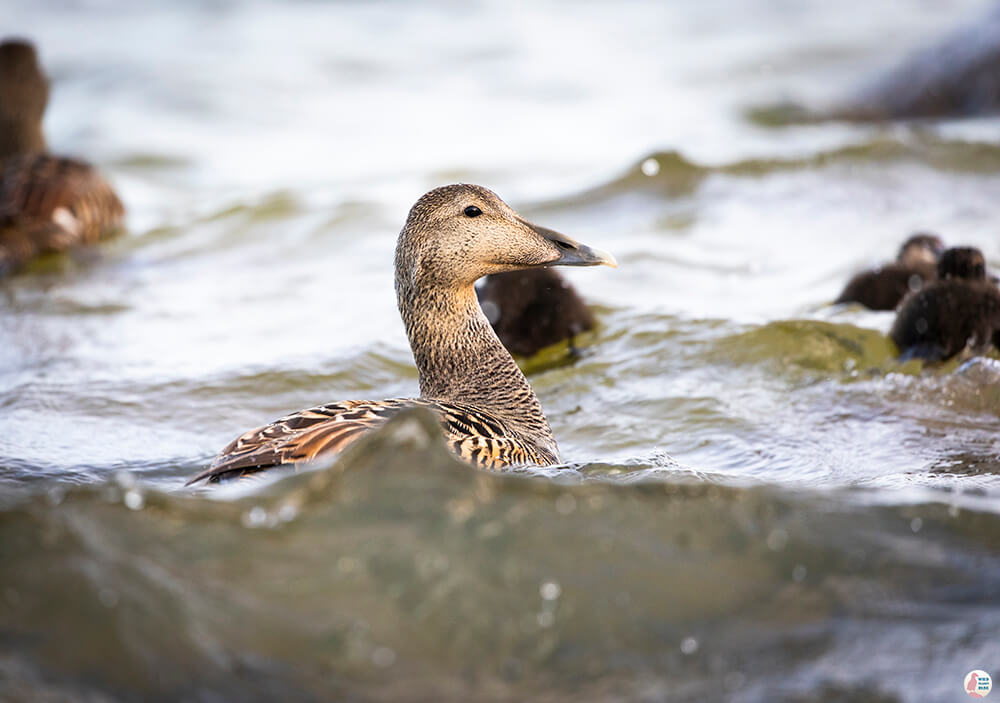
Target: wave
400,572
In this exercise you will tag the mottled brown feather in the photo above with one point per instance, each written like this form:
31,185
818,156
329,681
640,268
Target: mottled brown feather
325,430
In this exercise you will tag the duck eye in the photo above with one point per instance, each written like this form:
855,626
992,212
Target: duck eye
473,211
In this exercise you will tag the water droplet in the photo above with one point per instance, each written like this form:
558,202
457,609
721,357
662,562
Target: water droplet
777,540
108,598
550,590
133,499
650,167
56,495
565,504
689,645
383,657
255,517
916,523
461,509
125,479
490,530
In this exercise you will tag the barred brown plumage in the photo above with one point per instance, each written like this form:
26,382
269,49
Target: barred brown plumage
488,413
47,203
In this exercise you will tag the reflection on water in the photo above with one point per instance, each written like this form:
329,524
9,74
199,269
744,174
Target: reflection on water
760,503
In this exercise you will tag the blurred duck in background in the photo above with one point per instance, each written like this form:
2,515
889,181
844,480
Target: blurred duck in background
47,203
533,309
959,76
884,287
956,76
960,310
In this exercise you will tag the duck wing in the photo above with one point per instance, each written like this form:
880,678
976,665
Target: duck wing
474,435
299,437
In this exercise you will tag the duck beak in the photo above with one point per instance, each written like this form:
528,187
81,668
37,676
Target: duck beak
572,252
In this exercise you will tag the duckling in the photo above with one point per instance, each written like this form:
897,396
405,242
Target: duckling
961,309
47,203
884,287
533,309
490,416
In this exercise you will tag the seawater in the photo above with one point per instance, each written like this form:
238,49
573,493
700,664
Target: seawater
758,502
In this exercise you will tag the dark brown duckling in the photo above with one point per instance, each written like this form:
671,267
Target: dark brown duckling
488,412
47,203
883,288
533,309
961,309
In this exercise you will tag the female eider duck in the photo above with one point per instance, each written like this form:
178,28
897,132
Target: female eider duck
884,287
961,309
47,203
533,309
490,417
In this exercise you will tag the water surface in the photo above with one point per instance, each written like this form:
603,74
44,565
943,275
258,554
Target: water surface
759,503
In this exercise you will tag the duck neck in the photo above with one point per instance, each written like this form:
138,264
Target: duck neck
19,137
460,359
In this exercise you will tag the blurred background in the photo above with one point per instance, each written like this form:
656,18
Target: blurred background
268,152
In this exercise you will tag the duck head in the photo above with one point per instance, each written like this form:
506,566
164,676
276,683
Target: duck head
966,263
456,234
921,248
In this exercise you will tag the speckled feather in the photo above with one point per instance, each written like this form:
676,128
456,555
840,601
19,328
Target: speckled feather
476,436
